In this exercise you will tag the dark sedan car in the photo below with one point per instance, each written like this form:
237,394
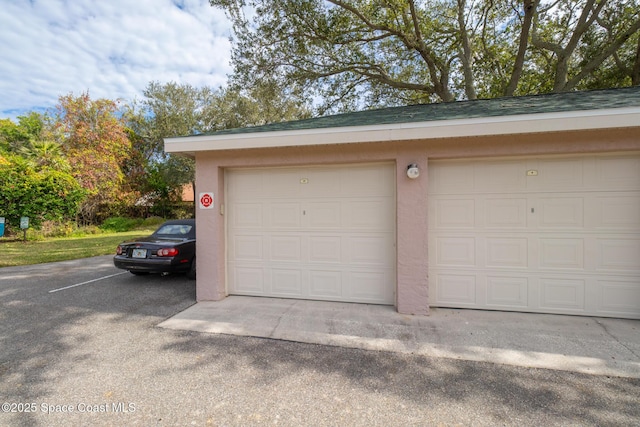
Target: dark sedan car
170,249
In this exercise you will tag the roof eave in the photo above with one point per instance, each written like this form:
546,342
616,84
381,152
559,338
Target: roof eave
455,128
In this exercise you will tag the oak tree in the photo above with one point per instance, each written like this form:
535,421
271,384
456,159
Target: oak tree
173,109
349,54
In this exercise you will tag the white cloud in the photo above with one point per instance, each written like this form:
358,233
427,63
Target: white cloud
111,48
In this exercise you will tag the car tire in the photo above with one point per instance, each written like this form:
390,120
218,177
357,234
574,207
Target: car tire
139,273
191,274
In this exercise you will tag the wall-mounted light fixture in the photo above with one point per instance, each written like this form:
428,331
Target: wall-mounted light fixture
412,171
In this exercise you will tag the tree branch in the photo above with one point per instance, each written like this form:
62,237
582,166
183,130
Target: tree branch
529,12
599,59
416,44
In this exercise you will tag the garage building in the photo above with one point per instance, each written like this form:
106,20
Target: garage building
521,204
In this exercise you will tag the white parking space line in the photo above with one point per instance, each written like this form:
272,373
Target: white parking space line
87,282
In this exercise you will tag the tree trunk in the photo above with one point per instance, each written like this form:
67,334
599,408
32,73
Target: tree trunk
466,56
529,12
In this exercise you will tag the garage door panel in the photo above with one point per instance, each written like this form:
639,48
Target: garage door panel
507,252
560,212
325,214
619,254
279,183
283,215
321,182
562,253
326,233
325,284
454,179
286,282
498,177
567,242
370,250
455,251
368,286
618,212
455,213
369,214
506,213
617,173
619,296
285,248
455,289
363,181
247,247
562,294
507,292
247,279
245,183
325,249
557,175
246,215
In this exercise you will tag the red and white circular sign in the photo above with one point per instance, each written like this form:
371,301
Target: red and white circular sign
206,200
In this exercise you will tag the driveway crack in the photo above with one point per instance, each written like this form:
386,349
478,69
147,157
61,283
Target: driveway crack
280,317
606,330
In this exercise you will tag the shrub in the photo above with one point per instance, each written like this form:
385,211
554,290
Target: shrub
89,230
42,195
57,228
153,221
120,224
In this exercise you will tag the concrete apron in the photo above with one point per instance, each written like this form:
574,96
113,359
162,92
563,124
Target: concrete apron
590,345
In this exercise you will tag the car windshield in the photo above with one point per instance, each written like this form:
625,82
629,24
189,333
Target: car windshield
178,230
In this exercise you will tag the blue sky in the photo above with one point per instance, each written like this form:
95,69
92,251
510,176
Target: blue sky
111,48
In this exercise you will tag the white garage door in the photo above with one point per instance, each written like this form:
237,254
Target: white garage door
325,233
550,235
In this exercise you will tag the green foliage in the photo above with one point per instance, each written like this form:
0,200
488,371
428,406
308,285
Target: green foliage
153,222
63,228
9,134
33,124
264,102
44,194
120,224
368,53
166,110
173,209
29,129
173,109
45,154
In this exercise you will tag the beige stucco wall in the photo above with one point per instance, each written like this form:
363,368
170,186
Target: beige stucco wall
412,230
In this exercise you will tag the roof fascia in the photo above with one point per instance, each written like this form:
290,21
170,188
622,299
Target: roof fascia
484,126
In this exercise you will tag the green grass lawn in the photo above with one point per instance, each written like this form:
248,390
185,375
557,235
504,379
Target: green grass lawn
13,253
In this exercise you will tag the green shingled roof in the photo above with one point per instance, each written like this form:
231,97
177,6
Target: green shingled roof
507,106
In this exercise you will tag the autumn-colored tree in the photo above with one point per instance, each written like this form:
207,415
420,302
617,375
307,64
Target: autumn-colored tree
96,144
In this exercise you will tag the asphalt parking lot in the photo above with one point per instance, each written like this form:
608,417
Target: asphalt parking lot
79,345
